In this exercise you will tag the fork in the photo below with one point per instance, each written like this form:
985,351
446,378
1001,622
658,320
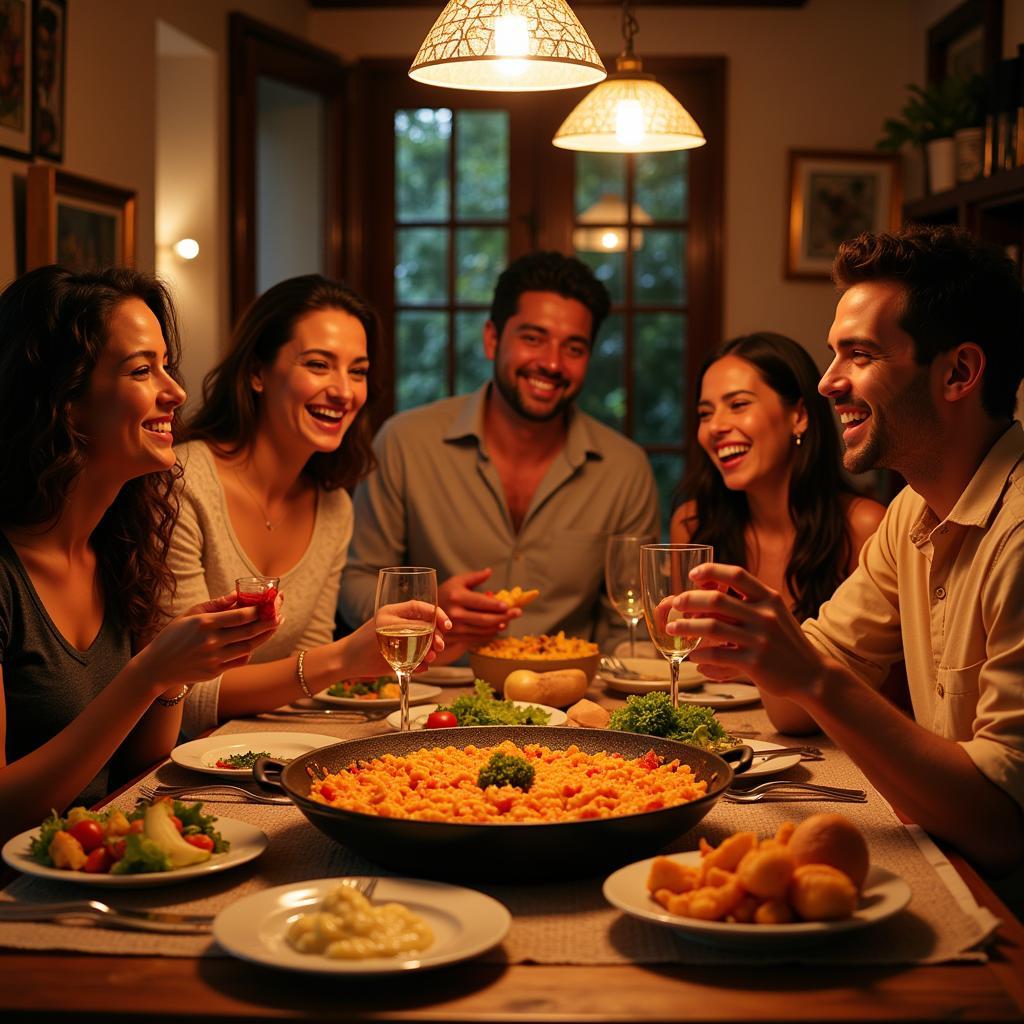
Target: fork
814,787
104,914
152,792
770,795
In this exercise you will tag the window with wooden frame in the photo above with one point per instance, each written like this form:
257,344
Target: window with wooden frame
445,187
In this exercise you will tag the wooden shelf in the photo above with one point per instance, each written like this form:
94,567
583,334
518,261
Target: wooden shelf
1004,187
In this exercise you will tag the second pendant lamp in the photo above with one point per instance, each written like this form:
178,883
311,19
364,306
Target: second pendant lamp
629,112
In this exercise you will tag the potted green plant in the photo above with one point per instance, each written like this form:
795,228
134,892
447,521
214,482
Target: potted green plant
931,117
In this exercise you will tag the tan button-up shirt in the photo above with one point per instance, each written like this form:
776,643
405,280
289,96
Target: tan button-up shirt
436,499
948,597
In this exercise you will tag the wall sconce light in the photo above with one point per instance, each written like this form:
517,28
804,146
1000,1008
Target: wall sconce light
186,249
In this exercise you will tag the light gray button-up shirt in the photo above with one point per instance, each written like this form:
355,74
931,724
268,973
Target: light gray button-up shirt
435,499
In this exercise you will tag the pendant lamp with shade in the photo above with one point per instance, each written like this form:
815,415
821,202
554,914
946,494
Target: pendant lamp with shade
630,111
507,46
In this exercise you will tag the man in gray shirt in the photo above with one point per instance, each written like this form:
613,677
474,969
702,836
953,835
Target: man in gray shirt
511,485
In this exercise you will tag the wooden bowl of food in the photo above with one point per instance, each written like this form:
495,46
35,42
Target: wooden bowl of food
496,660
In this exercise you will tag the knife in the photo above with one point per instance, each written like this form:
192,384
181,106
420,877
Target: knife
106,916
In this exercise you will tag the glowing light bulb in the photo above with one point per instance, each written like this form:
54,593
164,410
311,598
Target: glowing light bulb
186,248
629,122
609,239
511,36
511,41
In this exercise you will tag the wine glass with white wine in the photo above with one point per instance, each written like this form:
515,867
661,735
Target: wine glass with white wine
405,612
622,580
665,572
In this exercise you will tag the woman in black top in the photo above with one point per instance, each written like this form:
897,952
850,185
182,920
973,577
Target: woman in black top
91,691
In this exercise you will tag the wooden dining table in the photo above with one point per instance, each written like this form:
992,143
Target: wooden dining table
52,985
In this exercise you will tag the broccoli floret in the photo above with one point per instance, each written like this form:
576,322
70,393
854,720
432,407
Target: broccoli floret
506,770
653,715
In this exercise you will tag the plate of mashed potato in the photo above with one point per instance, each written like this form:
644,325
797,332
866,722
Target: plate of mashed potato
326,926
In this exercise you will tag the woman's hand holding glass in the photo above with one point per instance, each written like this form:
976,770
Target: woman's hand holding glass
206,641
405,617
361,653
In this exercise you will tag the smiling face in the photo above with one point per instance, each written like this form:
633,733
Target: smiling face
744,425
317,383
127,410
883,397
540,360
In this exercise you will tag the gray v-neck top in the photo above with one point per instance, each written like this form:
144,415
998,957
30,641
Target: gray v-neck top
47,682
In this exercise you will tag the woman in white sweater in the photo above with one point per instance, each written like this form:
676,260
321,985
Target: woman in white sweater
283,431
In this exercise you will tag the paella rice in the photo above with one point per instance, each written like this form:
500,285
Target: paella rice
440,784
540,647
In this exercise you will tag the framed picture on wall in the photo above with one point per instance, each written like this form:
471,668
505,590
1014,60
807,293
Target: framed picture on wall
968,41
16,78
77,222
49,53
835,195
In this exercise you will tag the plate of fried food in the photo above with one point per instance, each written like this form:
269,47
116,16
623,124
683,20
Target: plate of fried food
381,693
806,883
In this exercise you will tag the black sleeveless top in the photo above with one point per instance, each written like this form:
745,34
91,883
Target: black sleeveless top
47,682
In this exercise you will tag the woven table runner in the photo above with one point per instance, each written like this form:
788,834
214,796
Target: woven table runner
557,923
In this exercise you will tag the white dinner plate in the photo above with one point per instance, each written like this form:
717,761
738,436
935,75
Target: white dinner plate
419,693
882,895
464,923
447,675
657,670
693,689
419,715
247,843
203,755
760,767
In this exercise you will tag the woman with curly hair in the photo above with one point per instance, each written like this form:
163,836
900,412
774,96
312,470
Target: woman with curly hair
765,485
90,688
283,430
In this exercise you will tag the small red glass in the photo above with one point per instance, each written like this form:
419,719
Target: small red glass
258,592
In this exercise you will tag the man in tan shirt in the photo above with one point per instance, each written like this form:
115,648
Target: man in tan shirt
511,485
928,344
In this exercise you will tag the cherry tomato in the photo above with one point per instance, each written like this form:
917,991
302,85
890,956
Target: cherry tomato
203,842
98,862
89,833
137,825
440,720
116,849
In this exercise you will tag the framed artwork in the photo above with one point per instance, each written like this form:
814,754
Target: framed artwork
966,42
49,61
16,78
835,195
77,222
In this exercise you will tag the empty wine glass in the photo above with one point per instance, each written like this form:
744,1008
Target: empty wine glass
405,612
622,580
665,572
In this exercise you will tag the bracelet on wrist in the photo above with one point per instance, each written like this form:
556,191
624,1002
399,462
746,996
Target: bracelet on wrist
300,672
170,702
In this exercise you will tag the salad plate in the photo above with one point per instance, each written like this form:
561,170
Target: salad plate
419,693
247,843
418,716
447,675
882,895
464,922
762,766
202,755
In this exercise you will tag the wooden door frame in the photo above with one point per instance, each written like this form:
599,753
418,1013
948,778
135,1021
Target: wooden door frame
255,50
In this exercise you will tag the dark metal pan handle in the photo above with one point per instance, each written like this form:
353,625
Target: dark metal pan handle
743,756
267,773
